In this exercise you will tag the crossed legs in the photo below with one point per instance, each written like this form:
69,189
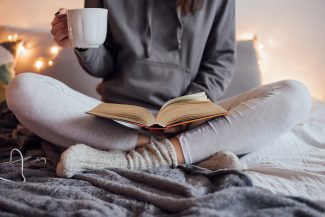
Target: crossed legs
56,113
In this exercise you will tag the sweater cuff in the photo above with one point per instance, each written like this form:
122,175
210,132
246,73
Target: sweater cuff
85,55
193,90
81,49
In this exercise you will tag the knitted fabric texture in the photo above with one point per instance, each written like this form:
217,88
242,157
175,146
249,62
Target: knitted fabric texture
222,160
80,157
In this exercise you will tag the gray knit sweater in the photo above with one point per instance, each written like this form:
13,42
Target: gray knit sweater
153,53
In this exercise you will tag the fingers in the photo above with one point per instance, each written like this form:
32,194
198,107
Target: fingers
64,43
60,28
58,20
61,15
62,11
61,35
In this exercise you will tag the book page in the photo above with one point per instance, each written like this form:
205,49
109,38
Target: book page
188,111
192,97
122,112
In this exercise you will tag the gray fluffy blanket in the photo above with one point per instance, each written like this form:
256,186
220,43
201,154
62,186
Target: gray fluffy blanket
185,191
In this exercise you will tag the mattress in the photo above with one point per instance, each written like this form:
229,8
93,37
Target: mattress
293,164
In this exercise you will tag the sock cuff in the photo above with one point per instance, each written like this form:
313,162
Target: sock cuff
165,144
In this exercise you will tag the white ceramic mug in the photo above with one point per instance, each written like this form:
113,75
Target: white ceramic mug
87,27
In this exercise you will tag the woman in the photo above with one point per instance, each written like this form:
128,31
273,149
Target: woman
155,51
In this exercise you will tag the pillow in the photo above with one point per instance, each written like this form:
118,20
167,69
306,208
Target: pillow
8,53
65,65
247,73
38,44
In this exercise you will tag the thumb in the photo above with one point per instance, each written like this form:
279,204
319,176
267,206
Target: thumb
61,11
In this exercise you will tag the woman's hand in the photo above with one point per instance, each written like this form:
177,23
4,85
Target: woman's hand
173,131
60,29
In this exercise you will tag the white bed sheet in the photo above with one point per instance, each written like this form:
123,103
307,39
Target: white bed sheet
294,164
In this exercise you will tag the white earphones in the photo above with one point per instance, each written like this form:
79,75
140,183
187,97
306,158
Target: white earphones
22,159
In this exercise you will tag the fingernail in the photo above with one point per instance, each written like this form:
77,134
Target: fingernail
59,11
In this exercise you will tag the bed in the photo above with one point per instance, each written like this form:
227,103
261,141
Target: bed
288,183
294,164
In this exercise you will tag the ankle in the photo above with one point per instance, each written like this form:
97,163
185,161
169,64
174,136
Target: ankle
178,149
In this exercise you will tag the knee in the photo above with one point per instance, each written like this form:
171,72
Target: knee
296,98
20,92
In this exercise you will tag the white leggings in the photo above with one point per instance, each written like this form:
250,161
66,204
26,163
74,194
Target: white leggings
56,113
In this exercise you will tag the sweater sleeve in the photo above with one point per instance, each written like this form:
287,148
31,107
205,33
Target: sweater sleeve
98,62
218,61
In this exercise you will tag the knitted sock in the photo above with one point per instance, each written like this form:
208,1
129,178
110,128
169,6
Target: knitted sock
222,160
81,157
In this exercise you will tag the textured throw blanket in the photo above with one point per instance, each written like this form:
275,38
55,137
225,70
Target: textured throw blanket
185,191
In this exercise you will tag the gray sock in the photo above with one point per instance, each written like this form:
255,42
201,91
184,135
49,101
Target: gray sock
222,160
81,157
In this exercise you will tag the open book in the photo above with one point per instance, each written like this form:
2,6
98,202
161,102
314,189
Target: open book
178,111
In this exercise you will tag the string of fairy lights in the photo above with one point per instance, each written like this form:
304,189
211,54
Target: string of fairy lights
43,62
39,63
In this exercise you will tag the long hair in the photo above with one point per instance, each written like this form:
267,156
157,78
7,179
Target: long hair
190,6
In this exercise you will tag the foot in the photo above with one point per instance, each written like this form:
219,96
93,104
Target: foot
79,158
222,160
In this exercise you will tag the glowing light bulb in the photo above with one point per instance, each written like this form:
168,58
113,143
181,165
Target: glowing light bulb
12,37
22,50
260,47
54,50
50,63
39,64
247,36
